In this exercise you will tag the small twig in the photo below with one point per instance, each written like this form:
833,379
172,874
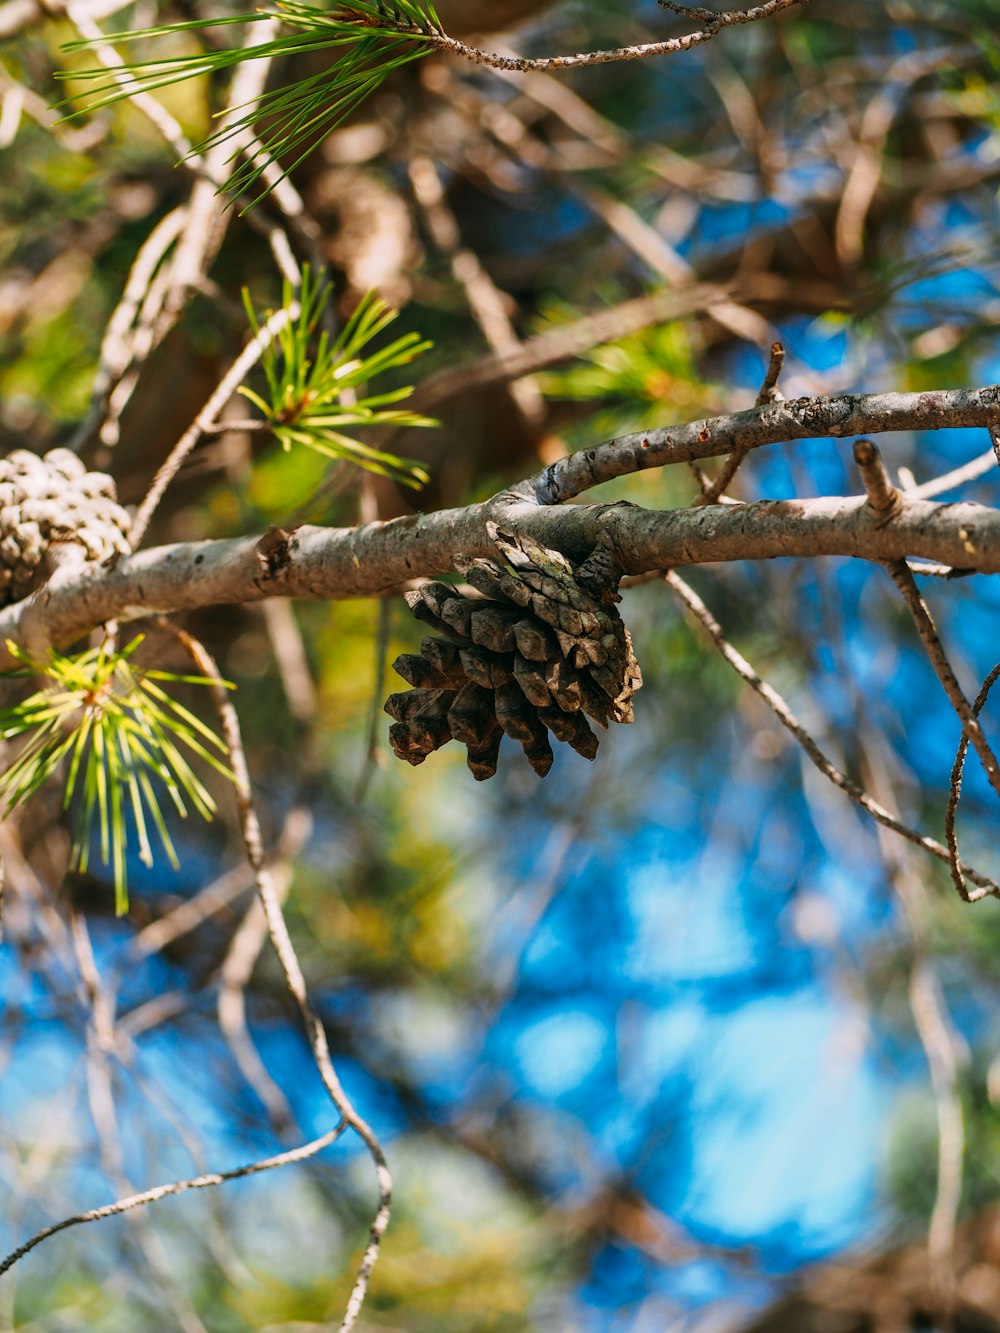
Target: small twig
864,174
905,582
787,718
938,571
237,969
769,391
715,490
487,304
16,100
711,28
955,788
707,492
564,342
118,346
209,217
704,486
882,494
225,389
204,224
285,950
648,245
234,977
152,1013
950,481
190,914
241,426
292,660
215,1238
155,111
299,1154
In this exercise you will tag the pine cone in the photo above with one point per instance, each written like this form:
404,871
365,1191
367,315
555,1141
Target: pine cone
48,499
543,646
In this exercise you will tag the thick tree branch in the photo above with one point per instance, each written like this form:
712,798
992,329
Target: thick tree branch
375,558
378,557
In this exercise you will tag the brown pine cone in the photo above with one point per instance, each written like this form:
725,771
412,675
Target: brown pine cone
539,650
53,498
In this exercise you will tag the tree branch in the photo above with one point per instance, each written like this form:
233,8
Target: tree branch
378,558
792,419
711,25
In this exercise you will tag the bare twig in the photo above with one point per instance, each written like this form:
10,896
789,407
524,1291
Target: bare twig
938,1040
950,481
865,172
859,188
119,346
225,389
234,977
787,718
713,492
882,494
769,391
791,419
564,342
16,100
647,243
237,969
269,899
82,19
955,787
209,216
486,301
905,582
712,25
17,15
204,222
291,658
300,1154
191,913
238,426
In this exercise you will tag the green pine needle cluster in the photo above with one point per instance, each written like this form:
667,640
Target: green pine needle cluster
316,385
372,39
119,734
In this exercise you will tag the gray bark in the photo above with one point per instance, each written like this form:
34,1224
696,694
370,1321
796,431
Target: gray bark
377,558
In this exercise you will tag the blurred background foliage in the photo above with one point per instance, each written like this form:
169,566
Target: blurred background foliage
640,1039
